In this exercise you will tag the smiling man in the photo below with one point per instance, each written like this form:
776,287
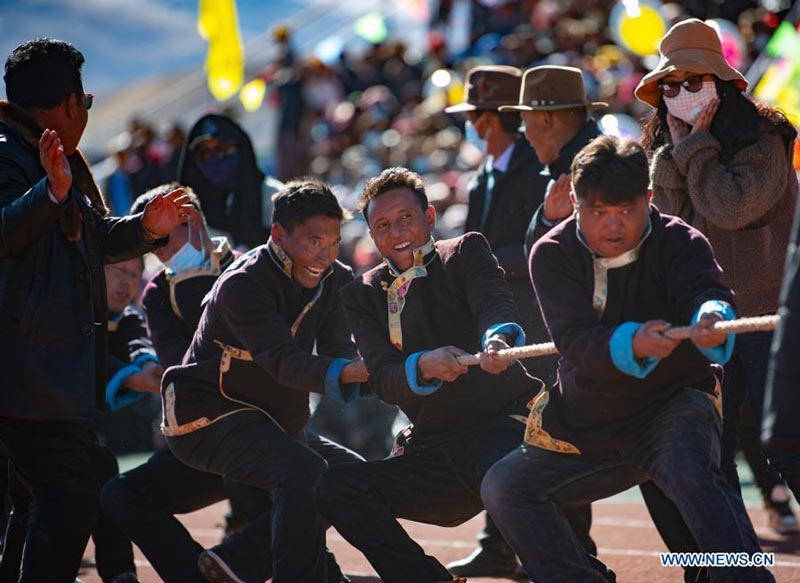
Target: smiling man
632,404
238,403
428,303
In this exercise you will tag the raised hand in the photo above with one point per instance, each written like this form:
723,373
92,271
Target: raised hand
557,203
167,211
55,164
706,116
650,342
442,364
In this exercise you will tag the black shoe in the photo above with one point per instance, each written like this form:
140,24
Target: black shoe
485,563
214,568
335,574
599,566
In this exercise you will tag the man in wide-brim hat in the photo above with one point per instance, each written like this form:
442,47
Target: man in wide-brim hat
504,193
555,110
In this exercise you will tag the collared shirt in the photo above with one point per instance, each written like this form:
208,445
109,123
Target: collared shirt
501,162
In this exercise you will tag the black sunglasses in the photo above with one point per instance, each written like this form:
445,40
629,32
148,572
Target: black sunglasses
89,99
691,84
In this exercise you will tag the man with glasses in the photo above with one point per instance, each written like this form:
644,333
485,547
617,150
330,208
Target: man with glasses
54,239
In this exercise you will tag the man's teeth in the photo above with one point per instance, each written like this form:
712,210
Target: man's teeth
402,246
314,272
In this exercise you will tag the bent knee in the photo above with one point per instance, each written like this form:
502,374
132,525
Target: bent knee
496,487
311,465
333,488
113,496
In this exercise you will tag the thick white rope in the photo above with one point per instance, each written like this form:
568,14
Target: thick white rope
740,326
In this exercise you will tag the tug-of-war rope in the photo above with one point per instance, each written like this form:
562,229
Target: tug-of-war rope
740,326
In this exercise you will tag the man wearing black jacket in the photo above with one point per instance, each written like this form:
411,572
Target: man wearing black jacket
54,240
237,405
503,195
412,316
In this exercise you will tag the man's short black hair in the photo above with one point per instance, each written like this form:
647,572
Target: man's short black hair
611,170
301,199
391,179
510,121
40,73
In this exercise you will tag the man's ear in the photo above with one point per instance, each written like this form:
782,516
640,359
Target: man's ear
71,105
573,198
430,214
277,232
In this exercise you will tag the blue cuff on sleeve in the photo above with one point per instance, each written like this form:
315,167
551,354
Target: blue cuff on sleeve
413,381
117,395
142,359
334,389
621,347
510,329
720,354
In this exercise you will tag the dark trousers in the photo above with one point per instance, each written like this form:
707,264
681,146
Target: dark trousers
52,460
252,450
434,481
765,475
679,449
742,388
146,499
746,375
113,551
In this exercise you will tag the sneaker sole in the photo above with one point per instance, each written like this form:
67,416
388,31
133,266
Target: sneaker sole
215,570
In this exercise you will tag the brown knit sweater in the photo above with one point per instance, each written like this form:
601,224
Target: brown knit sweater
743,206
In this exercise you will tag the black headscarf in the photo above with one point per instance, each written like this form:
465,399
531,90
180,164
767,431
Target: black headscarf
237,208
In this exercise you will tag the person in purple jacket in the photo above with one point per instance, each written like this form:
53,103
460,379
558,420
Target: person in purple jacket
631,404
273,331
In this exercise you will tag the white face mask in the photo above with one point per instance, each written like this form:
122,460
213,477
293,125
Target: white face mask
688,106
188,256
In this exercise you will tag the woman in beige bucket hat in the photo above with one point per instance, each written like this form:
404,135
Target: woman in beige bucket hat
723,163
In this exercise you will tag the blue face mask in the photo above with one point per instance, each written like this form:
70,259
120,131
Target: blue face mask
220,171
187,257
471,135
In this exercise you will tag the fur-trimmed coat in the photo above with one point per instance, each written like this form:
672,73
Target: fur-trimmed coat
52,285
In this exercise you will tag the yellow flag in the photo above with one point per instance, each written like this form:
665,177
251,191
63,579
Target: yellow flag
218,24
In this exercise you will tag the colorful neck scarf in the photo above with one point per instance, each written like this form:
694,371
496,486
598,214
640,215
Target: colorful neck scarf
396,291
